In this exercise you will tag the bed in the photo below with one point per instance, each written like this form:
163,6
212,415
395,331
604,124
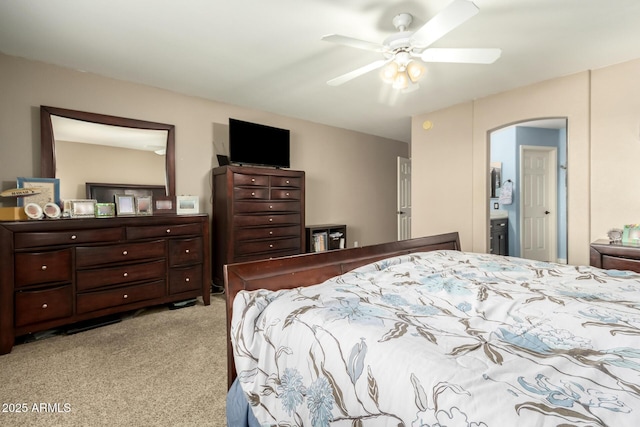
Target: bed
419,333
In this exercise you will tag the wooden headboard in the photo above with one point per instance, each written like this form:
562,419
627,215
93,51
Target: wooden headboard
310,269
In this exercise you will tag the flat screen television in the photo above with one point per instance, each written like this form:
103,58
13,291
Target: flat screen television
255,144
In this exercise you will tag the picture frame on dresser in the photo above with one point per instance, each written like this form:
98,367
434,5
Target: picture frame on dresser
144,205
187,205
164,205
80,208
125,205
631,234
105,210
48,191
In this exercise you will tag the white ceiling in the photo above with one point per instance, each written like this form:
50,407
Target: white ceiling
268,55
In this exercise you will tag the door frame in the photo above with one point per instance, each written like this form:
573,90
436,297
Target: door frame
552,189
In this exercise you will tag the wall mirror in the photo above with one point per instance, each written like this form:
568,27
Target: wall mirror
80,147
495,171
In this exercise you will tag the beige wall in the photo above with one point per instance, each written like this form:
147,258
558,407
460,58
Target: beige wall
603,137
350,176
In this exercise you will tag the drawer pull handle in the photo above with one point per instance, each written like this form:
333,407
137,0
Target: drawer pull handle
125,253
270,206
74,237
270,219
168,230
271,233
186,279
125,274
253,193
125,296
288,181
271,246
186,251
253,180
287,194
44,267
45,305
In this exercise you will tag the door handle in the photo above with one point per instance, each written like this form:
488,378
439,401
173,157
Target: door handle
547,212
401,212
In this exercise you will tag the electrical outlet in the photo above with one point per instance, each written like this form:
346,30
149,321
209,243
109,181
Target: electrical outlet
496,206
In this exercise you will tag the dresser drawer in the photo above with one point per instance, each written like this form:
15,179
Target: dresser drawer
185,251
88,256
152,231
264,207
251,193
110,276
285,181
270,255
241,179
42,267
185,279
251,247
258,220
278,194
92,301
35,239
41,305
617,263
268,232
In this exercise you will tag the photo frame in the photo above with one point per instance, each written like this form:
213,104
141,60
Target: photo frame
105,210
631,234
49,191
187,205
144,205
80,208
125,205
164,205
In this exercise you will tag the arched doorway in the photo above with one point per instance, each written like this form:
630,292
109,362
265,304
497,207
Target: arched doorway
531,156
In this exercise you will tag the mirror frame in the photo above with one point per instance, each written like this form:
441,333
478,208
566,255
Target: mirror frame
48,143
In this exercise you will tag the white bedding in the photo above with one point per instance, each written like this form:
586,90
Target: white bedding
444,338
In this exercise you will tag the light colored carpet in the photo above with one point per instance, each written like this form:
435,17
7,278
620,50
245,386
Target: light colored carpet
159,368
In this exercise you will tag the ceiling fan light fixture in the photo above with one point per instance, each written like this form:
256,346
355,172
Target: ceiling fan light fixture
401,81
415,70
389,72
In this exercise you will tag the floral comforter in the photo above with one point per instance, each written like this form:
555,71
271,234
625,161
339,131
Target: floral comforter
445,338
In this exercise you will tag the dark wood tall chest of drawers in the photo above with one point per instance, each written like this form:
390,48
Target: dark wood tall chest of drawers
59,272
258,213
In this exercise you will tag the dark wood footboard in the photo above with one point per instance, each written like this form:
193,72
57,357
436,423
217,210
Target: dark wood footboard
310,269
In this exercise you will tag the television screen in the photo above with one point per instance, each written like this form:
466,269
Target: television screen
255,144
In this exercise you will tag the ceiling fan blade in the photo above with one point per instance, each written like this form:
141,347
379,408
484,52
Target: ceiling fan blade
351,42
471,56
449,18
337,81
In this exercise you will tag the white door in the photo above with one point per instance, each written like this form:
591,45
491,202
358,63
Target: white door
538,184
404,198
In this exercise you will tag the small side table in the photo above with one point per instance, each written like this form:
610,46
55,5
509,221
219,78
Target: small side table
615,256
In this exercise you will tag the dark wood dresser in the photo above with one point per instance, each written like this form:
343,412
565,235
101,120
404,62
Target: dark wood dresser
59,272
615,256
258,213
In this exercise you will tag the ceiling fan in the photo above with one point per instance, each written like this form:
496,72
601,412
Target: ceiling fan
405,51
